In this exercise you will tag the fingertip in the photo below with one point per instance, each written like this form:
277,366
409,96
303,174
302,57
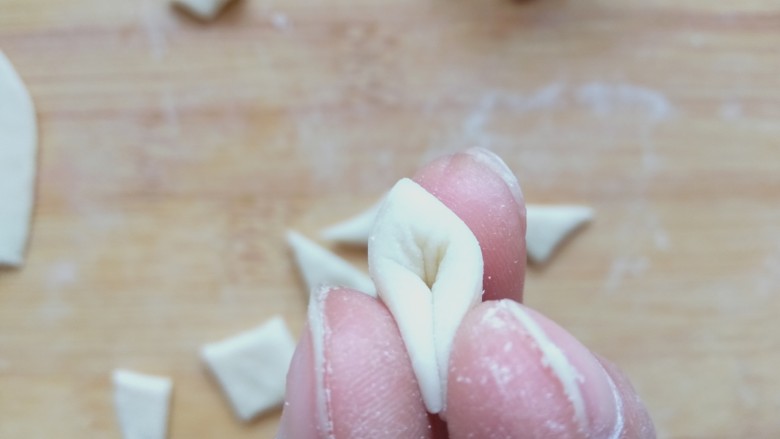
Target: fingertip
492,161
351,376
479,187
513,370
634,418
298,415
373,391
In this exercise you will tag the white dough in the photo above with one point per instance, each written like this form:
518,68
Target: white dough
203,9
548,226
18,144
321,267
142,403
427,265
355,230
251,367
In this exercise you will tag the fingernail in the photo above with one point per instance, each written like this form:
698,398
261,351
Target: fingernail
497,165
320,333
299,407
582,378
306,409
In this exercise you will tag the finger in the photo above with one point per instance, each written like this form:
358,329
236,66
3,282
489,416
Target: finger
516,374
479,187
298,420
637,423
351,374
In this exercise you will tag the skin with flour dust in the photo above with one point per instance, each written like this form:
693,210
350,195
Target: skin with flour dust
363,368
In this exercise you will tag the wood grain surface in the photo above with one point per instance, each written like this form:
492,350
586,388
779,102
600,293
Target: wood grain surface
175,154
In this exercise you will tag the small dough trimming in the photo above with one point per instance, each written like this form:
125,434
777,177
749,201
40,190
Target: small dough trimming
549,225
354,230
142,403
319,266
251,367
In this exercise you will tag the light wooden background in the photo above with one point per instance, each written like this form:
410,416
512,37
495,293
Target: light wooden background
174,155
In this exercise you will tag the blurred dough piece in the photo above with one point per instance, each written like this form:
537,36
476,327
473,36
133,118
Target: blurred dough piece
549,225
142,403
18,143
251,367
355,230
205,10
319,266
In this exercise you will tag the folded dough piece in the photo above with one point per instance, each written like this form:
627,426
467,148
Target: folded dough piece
251,367
18,144
321,267
142,403
205,10
427,266
549,225
355,230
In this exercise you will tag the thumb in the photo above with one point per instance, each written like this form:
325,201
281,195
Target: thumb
515,373
351,376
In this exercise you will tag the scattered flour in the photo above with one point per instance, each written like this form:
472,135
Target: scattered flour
606,99
731,111
280,21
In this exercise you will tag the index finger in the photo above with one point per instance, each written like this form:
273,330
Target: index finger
481,189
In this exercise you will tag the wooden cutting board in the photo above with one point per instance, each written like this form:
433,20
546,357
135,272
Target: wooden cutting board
174,155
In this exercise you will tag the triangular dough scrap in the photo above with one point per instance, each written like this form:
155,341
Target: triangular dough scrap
549,225
142,403
355,230
251,367
18,144
318,266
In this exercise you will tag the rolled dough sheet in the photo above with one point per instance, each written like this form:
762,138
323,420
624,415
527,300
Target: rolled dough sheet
18,144
319,266
251,367
142,403
549,225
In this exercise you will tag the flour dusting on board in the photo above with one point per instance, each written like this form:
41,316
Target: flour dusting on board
325,156
768,276
606,99
474,129
622,267
611,99
170,111
58,277
152,26
280,21
545,98
645,106
61,274
731,111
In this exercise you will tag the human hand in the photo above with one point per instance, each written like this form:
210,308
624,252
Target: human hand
513,373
